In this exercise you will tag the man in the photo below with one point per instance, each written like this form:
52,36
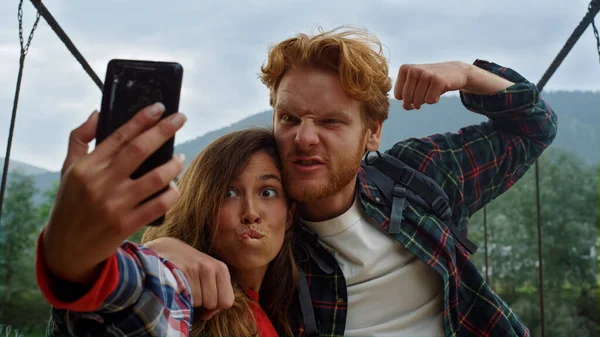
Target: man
329,94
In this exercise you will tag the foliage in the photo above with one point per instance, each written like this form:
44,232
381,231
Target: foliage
569,213
21,303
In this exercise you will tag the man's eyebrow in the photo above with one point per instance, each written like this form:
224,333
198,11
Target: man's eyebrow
336,113
290,107
284,106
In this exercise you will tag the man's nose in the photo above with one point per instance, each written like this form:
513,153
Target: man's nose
307,136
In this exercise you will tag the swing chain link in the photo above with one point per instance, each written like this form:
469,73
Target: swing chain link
25,47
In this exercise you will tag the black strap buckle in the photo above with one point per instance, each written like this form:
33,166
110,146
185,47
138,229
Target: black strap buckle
405,177
441,207
399,191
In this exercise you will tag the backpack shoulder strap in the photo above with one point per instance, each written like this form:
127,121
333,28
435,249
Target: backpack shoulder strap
306,307
400,182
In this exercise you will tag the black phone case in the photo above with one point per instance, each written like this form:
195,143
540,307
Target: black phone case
131,85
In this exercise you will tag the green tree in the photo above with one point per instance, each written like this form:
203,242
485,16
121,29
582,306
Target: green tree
21,304
45,207
569,199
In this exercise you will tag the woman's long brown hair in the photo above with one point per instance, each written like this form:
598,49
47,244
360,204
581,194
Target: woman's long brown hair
193,220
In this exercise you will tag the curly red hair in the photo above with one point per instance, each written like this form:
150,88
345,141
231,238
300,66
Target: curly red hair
354,54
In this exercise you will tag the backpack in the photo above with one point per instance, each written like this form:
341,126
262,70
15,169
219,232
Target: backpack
399,184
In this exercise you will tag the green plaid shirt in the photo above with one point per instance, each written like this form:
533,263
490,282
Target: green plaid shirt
473,166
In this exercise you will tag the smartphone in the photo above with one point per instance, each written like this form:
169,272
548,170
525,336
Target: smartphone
131,85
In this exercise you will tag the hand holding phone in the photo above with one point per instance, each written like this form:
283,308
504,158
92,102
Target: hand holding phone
107,195
98,205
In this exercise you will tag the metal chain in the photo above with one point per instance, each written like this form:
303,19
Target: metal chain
25,48
11,130
590,8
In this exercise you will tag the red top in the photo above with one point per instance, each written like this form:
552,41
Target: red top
265,327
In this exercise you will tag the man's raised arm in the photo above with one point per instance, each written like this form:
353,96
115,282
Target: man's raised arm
479,162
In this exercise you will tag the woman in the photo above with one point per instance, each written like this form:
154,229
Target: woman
232,207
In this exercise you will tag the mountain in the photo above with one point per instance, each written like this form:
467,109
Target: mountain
21,167
43,178
578,125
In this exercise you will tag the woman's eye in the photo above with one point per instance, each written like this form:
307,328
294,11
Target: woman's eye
231,193
269,193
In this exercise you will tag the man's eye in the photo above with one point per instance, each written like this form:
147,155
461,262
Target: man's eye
287,119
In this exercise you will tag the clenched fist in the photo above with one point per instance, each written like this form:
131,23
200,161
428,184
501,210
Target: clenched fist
419,84
208,277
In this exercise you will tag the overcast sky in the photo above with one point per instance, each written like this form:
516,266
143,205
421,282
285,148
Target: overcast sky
222,44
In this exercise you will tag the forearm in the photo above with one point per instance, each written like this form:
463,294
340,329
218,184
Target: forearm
151,296
521,126
516,110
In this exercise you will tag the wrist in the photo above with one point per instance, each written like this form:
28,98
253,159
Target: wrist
483,82
64,267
